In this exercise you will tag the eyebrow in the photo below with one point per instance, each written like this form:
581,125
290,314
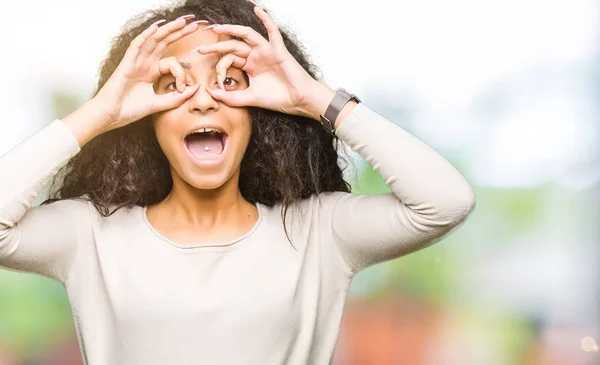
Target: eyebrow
188,66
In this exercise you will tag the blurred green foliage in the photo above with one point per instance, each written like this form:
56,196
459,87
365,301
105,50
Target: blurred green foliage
35,310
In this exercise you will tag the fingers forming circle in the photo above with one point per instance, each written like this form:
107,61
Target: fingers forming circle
170,65
225,63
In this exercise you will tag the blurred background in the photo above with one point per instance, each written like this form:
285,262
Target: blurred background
507,90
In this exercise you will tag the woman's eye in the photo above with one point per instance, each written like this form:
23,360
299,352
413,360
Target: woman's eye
229,81
171,85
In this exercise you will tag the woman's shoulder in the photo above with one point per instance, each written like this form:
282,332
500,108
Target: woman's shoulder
326,200
85,207
69,214
315,203
74,205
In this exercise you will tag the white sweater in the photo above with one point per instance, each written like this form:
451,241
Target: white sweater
139,298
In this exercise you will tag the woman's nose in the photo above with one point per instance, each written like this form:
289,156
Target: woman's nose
201,101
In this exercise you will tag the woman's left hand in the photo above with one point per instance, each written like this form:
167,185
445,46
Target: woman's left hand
277,81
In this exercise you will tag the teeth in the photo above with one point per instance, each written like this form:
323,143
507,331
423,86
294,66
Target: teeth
207,130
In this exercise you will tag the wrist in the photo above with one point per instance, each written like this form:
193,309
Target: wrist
319,99
88,122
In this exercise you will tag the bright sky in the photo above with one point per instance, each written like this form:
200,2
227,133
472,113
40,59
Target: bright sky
505,84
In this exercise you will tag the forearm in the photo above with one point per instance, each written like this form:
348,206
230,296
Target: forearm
417,174
32,164
41,239
429,198
87,122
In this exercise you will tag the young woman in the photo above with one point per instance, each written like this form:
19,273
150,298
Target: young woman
201,215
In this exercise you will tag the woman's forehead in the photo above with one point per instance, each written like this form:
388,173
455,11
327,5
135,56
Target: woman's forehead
182,47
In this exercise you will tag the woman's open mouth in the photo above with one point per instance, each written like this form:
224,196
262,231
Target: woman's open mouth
207,145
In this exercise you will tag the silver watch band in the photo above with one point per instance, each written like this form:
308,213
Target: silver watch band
341,98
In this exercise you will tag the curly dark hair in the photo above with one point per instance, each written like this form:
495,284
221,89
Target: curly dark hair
288,158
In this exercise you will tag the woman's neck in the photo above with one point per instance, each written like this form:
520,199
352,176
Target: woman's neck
208,209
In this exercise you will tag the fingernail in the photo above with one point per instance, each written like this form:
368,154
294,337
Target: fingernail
200,22
210,27
158,22
195,50
254,2
216,93
190,88
186,17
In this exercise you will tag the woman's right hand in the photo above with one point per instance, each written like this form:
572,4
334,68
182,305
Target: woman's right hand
128,95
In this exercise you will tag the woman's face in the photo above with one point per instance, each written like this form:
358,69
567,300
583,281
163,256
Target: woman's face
205,160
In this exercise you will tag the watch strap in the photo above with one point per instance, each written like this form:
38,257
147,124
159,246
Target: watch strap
341,98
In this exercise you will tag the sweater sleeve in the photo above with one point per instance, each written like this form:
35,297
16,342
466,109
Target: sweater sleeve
429,196
41,239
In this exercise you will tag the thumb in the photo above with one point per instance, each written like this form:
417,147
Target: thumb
174,99
233,98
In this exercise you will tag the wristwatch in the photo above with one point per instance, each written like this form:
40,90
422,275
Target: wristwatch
341,98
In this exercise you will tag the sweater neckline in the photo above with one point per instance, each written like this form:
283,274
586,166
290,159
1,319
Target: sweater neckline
216,246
